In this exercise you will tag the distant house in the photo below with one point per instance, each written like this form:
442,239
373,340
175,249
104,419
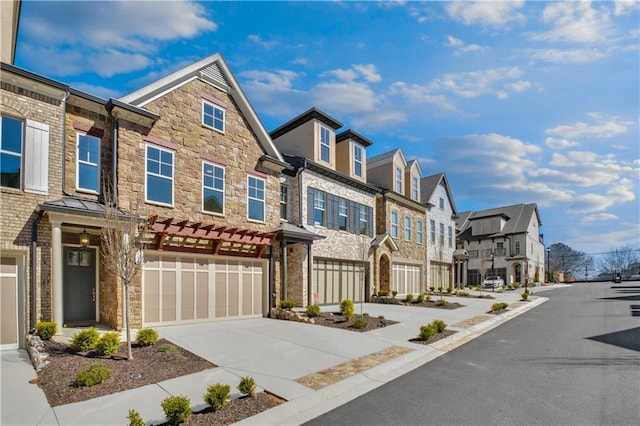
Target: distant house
401,240
327,211
503,241
441,232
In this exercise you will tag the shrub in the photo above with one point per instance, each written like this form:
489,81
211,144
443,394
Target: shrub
135,419
346,308
84,340
93,375
441,302
108,344
498,306
409,297
147,337
500,290
360,323
462,293
46,329
365,315
167,347
524,295
217,396
432,288
313,311
449,289
383,321
287,304
427,297
420,298
439,325
177,409
427,331
247,386
477,288
383,293
394,293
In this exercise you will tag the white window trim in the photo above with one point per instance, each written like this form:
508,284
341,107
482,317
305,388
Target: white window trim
419,231
414,189
264,200
286,203
224,116
345,214
394,223
328,145
323,209
407,228
173,172
357,148
399,180
98,166
363,213
432,230
224,188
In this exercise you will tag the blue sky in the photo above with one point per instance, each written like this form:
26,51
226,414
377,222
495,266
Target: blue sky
518,102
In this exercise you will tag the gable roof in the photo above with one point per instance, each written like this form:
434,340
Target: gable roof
416,163
214,70
517,218
310,114
428,186
385,158
355,136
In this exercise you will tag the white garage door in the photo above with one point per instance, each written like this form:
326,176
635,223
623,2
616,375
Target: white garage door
189,289
8,303
406,278
337,281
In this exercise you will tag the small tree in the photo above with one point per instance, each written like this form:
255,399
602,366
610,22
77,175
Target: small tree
121,248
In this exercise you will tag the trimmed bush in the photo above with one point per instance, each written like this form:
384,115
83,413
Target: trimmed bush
394,293
427,297
177,409
93,375
135,419
108,344
498,306
420,298
427,331
524,295
346,308
247,386
147,337
360,323
409,297
383,293
441,302
440,325
449,289
287,304
84,340
313,311
46,329
217,396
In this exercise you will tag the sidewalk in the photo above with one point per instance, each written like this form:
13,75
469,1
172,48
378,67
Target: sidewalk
279,355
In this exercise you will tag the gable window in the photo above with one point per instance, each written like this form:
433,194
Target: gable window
255,198
364,221
325,144
432,230
343,214
213,116
414,188
284,201
159,175
318,208
88,157
394,224
450,236
399,180
419,231
407,228
11,153
441,203
442,233
212,188
357,160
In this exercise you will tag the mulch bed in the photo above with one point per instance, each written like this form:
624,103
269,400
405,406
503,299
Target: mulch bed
436,304
336,320
434,338
498,312
235,410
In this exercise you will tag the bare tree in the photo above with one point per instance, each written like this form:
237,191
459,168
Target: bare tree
563,258
622,259
121,248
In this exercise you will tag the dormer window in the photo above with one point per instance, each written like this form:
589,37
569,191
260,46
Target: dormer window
325,145
357,160
414,189
213,116
441,203
399,180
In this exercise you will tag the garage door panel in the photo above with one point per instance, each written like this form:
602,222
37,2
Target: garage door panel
187,296
221,294
9,305
407,278
336,281
233,295
169,296
152,296
202,295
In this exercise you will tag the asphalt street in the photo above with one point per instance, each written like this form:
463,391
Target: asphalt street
574,360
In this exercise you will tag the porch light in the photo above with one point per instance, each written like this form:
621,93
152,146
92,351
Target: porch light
84,239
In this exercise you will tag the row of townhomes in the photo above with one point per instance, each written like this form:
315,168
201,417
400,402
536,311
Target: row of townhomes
235,217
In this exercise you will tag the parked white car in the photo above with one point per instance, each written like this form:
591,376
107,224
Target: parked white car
493,282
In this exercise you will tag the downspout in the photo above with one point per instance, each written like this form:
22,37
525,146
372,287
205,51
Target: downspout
114,182
64,143
34,266
271,283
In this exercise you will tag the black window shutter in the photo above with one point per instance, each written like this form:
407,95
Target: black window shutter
354,218
370,220
310,212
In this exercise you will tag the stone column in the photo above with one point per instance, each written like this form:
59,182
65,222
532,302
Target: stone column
57,263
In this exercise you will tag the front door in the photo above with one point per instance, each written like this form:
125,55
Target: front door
79,276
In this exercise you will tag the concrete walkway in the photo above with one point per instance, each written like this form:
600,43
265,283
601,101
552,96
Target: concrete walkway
277,354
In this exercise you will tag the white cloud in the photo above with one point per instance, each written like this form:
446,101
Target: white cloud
461,47
274,92
366,71
568,56
604,129
484,13
475,83
587,203
574,22
601,217
344,97
555,143
265,44
519,86
422,95
369,72
623,7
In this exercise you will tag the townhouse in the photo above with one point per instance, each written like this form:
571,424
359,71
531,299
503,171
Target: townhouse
399,248
504,241
328,211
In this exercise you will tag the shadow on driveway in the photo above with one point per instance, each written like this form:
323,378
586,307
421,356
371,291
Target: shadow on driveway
628,339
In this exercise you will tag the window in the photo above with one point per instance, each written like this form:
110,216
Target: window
407,228
364,220
357,160
213,116
284,201
88,158
159,175
318,208
325,144
414,188
11,153
441,203
343,214
399,180
450,235
419,231
517,247
212,188
394,224
432,230
255,198
442,233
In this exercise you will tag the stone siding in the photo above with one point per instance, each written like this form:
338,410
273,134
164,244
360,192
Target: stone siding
441,254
